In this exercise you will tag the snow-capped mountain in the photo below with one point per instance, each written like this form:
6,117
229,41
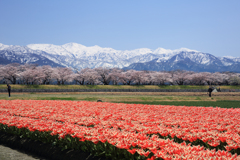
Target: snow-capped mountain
22,55
79,56
192,61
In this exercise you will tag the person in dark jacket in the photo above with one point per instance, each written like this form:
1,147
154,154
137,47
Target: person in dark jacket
9,90
210,89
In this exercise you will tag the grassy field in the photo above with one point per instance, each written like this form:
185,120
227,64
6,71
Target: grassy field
220,99
3,86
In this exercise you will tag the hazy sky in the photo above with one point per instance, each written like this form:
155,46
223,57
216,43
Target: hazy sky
210,26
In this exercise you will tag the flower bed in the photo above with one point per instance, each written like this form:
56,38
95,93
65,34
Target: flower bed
127,131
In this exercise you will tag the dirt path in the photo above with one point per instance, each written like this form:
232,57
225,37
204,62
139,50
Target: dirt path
7,153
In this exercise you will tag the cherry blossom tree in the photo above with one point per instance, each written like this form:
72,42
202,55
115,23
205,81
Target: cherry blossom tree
127,77
115,75
138,77
162,78
210,79
235,79
180,77
197,78
31,74
10,72
226,77
148,78
217,78
48,76
80,76
91,77
103,75
24,75
63,75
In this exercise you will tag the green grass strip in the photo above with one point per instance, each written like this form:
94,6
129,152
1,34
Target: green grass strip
222,104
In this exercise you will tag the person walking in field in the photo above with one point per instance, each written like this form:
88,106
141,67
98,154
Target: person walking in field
210,91
9,90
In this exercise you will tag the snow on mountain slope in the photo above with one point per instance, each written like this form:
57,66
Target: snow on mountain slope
191,61
2,46
231,58
71,49
197,57
79,50
95,56
105,57
79,56
49,48
17,49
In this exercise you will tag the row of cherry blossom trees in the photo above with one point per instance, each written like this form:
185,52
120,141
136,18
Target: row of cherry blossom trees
32,74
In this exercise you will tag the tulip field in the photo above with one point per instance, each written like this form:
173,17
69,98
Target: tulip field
127,131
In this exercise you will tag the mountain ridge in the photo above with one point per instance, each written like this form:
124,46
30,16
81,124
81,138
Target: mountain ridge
78,56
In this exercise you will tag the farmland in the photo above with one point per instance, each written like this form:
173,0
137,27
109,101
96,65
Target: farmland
74,120
220,99
126,131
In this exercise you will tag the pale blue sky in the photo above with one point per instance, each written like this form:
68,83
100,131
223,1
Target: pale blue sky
210,26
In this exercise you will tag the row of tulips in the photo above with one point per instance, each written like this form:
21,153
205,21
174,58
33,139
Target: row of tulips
215,126
127,130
